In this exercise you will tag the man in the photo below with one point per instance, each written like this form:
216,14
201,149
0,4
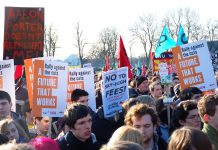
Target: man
208,109
142,85
156,90
5,110
41,126
186,114
145,119
79,136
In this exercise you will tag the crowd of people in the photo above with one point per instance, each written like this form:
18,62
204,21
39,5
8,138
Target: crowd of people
147,121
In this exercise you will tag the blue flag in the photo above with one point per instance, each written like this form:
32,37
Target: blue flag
139,67
181,39
165,42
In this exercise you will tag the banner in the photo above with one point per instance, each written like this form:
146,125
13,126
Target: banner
194,66
23,33
7,80
114,90
49,88
82,78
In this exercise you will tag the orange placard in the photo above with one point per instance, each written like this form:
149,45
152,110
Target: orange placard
1,82
42,91
186,69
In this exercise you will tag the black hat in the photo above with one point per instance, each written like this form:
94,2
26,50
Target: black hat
140,79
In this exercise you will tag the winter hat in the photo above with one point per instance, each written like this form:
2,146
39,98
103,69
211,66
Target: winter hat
140,79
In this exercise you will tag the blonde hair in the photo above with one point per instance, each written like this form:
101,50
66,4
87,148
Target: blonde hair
126,133
123,145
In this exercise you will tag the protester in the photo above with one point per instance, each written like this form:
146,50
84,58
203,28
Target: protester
126,133
142,85
188,138
145,119
208,109
156,90
41,126
123,145
146,99
44,143
186,114
12,130
79,136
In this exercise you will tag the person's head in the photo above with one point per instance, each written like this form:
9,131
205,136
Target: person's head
142,84
146,99
186,114
79,120
12,130
126,133
188,138
5,104
162,111
191,93
156,89
42,125
177,90
143,118
14,146
80,96
175,80
208,109
44,143
123,145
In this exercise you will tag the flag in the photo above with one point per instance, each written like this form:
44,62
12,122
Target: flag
18,71
123,59
107,63
181,39
165,42
139,67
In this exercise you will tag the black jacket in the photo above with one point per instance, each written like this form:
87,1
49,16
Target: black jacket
70,142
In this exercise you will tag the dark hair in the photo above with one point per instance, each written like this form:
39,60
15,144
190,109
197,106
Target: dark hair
187,93
5,95
76,111
77,93
207,105
3,139
188,138
181,111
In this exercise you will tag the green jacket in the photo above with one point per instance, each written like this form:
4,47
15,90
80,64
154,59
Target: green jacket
212,133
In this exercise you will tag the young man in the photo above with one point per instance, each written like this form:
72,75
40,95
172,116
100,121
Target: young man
145,119
142,85
41,126
156,90
208,109
79,136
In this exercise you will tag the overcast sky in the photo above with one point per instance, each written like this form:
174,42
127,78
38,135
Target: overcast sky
95,15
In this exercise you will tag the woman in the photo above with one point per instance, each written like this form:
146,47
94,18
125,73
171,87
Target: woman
13,131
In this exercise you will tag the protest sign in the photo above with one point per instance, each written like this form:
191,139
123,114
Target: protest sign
194,66
23,33
82,78
114,90
88,65
7,80
164,73
49,88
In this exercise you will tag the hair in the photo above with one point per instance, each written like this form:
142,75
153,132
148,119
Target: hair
187,138
4,127
132,83
138,111
129,103
181,111
126,133
176,78
145,99
3,139
187,93
44,143
77,93
14,146
207,105
75,112
5,95
123,145
153,84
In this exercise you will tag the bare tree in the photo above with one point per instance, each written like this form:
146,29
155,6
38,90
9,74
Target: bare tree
145,31
80,42
50,41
